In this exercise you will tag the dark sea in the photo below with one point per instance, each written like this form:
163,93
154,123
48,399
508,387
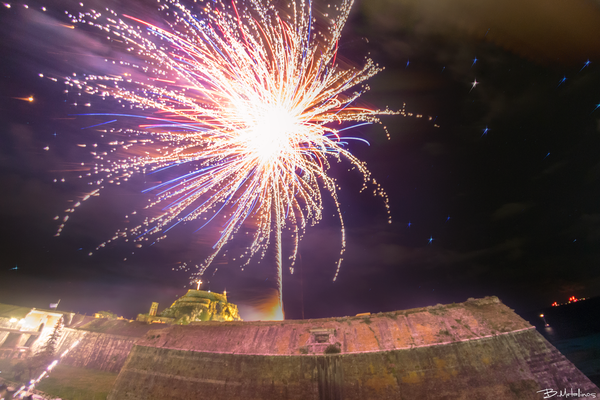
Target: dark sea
574,329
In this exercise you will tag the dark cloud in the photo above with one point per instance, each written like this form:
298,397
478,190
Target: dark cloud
434,148
544,31
510,210
591,227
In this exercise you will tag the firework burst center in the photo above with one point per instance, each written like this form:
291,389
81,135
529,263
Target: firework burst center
271,133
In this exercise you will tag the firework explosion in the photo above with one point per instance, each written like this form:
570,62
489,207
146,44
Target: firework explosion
251,100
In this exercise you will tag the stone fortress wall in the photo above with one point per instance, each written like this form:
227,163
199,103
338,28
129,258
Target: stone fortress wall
377,332
511,366
476,349
100,344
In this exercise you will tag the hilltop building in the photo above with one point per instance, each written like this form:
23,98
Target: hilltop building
195,305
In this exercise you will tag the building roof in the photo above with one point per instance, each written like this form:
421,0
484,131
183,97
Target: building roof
10,311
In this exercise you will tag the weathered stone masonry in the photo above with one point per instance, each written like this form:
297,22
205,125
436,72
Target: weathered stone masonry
479,349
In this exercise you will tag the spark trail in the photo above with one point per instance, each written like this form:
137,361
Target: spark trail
250,100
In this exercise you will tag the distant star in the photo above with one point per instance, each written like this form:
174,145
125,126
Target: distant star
474,61
485,131
546,156
409,224
562,81
16,267
448,219
431,239
597,107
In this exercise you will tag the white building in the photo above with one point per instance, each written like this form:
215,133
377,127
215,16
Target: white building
23,328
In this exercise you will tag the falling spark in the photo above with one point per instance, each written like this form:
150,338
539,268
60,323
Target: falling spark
588,62
474,84
28,99
251,101
32,384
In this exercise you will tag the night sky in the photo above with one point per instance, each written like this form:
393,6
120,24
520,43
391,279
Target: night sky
503,198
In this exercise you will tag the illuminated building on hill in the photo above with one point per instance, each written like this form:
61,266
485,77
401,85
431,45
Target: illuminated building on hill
195,305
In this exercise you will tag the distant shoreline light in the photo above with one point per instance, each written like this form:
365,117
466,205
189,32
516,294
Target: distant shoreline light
572,299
